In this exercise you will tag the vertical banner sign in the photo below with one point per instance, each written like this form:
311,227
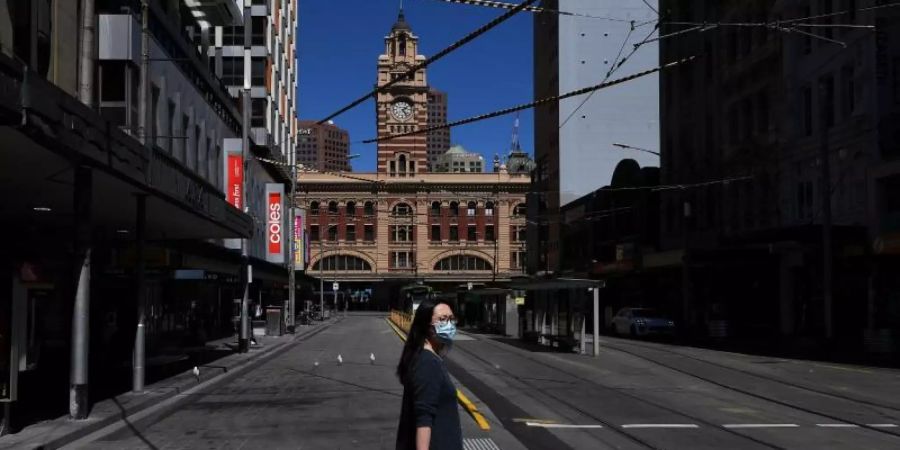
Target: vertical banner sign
235,180
299,240
275,222
234,172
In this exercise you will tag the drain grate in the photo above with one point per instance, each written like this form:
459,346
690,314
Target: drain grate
479,444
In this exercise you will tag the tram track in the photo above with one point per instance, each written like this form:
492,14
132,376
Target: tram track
608,424
757,396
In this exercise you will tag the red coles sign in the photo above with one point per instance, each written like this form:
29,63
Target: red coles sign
235,180
274,223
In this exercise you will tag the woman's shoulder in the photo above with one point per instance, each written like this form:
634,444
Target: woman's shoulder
427,358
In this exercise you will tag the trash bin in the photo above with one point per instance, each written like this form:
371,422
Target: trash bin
274,320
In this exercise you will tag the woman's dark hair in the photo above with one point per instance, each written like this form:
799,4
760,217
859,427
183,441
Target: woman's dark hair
419,330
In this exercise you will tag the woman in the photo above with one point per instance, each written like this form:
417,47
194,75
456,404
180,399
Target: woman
429,418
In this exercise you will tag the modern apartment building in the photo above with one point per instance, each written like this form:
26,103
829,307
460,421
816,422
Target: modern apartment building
458,159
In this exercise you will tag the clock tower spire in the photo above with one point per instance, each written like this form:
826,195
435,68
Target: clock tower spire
404,106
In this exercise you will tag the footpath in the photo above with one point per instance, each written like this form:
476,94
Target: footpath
164,395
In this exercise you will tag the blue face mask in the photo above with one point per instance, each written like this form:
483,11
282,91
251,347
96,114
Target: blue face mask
445,331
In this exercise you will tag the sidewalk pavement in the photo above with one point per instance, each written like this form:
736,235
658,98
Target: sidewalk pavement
59,432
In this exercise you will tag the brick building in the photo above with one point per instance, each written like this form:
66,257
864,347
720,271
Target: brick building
403,224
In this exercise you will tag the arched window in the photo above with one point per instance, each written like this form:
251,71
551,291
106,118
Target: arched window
402,209
351,209
435,208
314,208
454,209
401,161
369,209
470,209
462,263
342,262
520,210
332,207
402,45
489,209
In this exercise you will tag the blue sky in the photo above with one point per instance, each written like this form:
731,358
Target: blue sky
340,41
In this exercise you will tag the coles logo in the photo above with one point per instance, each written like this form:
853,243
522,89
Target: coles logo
274,223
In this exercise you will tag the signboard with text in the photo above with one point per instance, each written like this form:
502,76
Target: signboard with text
299,240
234,172
275,221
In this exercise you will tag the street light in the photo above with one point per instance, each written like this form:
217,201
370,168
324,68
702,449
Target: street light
630,147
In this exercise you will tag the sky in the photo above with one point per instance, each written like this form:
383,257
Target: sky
339,44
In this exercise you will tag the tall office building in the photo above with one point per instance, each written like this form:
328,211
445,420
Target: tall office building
438,141
323,147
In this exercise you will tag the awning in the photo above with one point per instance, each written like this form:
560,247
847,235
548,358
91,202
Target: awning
558,284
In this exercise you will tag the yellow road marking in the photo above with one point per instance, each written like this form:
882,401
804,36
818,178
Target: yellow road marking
524,420
460,397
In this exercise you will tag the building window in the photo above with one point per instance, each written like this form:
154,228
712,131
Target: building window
185,132
332,207
470,210
517,260
314,233
342,262
369,232
435,208
314,208
351,209
454,233
520,210
454,209
518,233
435,233
462,263
402,209
201,153
401,233
171,130
402,260
489,233
849,91
332,233
369,209
826,88
350,233
489,209
471,234
806,108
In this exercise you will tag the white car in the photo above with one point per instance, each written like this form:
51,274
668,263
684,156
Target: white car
642,322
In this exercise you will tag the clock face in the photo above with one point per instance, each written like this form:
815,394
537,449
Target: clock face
401,110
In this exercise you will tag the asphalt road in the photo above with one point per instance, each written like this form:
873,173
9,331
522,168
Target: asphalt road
290,402
636,395
646,395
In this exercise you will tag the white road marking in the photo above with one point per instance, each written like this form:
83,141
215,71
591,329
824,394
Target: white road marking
560,425
837,425
760,425
882,425
660,425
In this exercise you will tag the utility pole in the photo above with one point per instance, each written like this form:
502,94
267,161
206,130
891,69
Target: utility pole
686,288
244,338
139,356
322,276
292,278
827,262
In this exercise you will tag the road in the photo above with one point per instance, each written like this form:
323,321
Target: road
646,395
636,395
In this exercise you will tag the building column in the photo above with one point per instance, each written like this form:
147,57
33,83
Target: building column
78,375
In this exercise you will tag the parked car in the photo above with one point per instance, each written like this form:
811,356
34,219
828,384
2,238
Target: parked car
642,322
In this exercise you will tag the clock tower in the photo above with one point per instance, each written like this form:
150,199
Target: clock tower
404,106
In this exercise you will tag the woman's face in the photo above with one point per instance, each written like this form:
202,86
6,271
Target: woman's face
442,313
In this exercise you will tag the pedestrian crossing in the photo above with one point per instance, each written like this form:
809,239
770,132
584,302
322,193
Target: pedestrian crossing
479,444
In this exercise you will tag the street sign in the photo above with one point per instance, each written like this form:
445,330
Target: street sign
334,286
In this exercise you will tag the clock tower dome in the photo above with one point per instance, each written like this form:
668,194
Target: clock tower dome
404,106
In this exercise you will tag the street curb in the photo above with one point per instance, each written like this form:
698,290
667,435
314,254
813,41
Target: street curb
113,423
460,397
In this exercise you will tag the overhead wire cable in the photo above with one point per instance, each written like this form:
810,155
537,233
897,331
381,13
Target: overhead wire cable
534,9
410,74
532,104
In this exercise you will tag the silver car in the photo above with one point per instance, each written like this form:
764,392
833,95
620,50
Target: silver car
642,322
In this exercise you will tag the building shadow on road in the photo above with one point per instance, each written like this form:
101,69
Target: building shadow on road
131,427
